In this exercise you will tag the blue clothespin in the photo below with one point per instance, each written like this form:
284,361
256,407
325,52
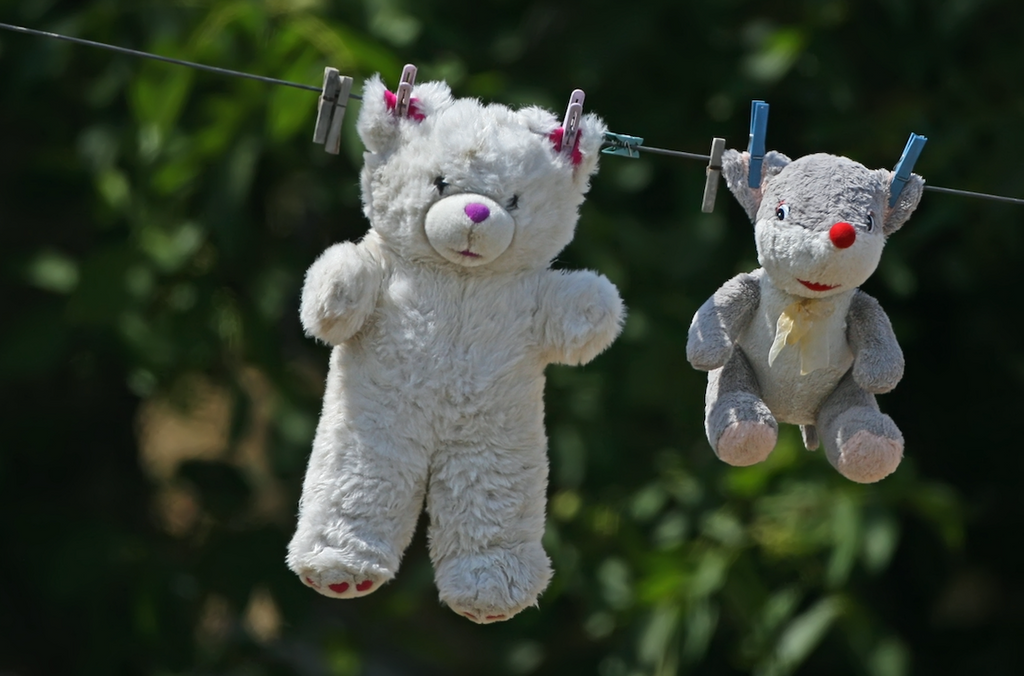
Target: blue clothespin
621,144
758,131
901,172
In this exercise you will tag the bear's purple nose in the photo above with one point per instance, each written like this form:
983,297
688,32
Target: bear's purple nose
477,212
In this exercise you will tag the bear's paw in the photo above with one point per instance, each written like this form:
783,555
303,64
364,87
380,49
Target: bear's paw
342,583
496,584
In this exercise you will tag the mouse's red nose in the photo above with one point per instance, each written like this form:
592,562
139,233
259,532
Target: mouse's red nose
843,235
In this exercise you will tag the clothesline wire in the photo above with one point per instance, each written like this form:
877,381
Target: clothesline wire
971,193
165,59
297,85
674,153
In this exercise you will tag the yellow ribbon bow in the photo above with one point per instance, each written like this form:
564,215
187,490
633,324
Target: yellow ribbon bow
796,326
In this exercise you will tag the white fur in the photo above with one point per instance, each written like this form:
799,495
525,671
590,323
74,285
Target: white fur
455,235
436,380
792,397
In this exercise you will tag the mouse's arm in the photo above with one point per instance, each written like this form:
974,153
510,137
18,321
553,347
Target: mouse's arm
720,320
877,357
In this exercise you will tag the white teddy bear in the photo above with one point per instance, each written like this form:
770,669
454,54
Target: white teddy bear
443,318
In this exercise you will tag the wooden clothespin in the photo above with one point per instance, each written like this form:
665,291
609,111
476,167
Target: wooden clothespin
331,110
758,132
713,173
901,172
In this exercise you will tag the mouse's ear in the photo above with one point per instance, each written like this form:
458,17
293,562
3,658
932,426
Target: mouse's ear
736,169
910,197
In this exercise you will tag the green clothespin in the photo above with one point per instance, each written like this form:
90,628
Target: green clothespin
621,144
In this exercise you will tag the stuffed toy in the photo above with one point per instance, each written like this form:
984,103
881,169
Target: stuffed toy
442,320
796,341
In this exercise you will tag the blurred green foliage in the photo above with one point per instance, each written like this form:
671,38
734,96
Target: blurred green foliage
158,397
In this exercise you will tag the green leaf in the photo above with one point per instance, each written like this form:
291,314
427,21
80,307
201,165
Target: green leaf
801,636
658,634
53,271
616,583
846,530
889,658
170,248
158,96
881,535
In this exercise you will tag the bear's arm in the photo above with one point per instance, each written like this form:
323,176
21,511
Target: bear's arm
580,313
877,357
719,321
340,292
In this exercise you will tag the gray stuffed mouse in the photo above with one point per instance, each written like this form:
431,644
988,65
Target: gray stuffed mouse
796,341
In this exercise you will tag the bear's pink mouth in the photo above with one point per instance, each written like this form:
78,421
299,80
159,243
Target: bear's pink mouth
818,287
469,254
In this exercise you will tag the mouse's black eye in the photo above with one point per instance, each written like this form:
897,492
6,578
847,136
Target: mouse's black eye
782,211
871,221
440,184
513,203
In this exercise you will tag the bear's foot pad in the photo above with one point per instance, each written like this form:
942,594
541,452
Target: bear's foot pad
496,585
342,584
486,619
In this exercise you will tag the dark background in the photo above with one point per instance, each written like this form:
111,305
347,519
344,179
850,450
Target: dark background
157,396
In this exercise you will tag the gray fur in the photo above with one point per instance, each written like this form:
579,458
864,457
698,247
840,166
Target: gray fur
735,169
847,411
878,361
809,433
825,381
719,321
733,397
908,200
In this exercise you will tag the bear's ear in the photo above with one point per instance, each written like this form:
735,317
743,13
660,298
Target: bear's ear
378,125
538,120
908,200
736,168
585,153
588,146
